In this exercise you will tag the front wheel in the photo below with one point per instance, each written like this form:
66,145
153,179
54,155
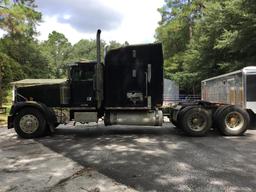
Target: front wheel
233,121
30,123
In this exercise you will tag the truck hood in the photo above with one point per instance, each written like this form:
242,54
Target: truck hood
35,82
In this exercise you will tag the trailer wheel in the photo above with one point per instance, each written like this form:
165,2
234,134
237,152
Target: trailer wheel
216,115
30,123
252,124
233,121
195,121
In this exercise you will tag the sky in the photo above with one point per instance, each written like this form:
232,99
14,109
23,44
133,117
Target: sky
134,21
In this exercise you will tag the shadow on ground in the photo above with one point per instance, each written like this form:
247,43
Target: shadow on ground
161,158
28,166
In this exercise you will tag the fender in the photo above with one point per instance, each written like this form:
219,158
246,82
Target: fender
47,112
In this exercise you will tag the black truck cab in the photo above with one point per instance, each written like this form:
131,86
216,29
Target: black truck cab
126,89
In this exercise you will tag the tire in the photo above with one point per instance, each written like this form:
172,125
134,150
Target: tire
171,119
173,122
216,115
181,113
252,124
195,121
233,121
30,123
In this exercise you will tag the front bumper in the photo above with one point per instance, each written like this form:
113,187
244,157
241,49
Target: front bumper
10,122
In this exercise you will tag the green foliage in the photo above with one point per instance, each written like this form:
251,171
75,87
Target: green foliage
57,49
114,45
206,38
19,53
85,50
25,52
10,71
19,17
175,32
187,80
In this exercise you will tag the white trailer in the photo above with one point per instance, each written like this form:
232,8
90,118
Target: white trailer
235,88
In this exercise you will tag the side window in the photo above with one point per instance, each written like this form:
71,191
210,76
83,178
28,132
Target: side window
75,74
82,73
251,87
86,75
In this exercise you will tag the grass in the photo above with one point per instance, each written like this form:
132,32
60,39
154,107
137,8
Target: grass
7,104
3,119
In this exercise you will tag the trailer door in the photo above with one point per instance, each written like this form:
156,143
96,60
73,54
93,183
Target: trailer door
251,92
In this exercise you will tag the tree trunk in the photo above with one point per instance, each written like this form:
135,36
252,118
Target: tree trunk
190,24
190,31
1,91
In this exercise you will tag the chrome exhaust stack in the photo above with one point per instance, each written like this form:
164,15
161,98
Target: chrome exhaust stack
98,47
99,73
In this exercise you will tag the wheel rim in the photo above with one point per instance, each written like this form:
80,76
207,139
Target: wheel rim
234,120
196,122
29,123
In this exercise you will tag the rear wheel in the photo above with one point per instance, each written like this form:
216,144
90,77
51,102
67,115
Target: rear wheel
216,115
173,122
181,113
30,123
172,119
252,124
233,121
195,121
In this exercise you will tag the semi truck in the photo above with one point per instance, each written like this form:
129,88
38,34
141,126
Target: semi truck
125,89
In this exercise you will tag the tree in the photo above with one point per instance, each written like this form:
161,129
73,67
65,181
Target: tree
114,45
19,17
86,50
176,32
222,38
10,71
27,54
58,51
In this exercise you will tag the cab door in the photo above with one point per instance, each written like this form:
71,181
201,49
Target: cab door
82,85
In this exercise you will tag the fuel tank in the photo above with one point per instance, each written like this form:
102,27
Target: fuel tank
143,118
